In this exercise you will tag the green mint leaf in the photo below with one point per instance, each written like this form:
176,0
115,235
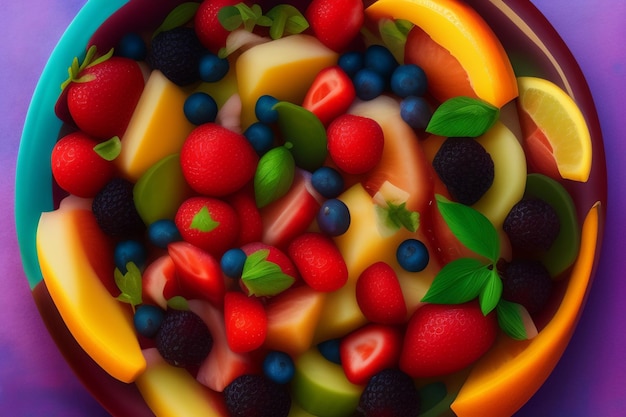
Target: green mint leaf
178,303
230,18
471,227
110,149
463,116
179,16
396,216
274,175
129,284
263,277
285,18
458,282
296,24
203,221
249,15
393,34
510,319
491,292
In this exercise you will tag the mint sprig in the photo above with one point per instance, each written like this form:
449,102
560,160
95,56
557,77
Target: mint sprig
393,217
179,16
465,279
282,19
463,117
129,284
262,277
274,175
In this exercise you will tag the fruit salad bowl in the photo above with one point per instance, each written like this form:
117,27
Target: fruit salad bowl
497,384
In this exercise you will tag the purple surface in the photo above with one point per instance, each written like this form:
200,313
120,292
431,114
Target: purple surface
590,379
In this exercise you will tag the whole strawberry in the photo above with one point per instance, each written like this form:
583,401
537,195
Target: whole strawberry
209,223
245,320
102,95
379,295
355,143
216,161
335,22
78,168
442,339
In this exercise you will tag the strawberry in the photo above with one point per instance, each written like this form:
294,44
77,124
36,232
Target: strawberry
208,28
368,350
335,22
158,275
245,321
318,261
76,166
209,223
216,161
267,271
292,214
222,366
379,295
250,221
442,339
102,97
199,274
275,255
330,95
355,143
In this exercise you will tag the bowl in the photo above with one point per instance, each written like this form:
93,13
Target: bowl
535,49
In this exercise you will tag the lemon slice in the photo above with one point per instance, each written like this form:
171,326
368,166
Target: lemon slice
562,124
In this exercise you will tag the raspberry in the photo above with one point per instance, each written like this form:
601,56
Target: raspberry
390,392
257,396
532,225
183,339
526,282
465,168
176,53
115,210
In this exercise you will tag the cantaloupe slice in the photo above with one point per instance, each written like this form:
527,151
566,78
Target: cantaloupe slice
74,254
283,68
157,129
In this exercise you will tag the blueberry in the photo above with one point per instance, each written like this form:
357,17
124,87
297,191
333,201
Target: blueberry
416,112
412,255
381,60
408,80
232,262
327,181
148,319
351,62
264,109
260,136
163,232
333,217
200,108
213,68
368,84
132,46
330,350
129,251
279,367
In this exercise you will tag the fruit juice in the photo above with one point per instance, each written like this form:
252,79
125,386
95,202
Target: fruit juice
187,209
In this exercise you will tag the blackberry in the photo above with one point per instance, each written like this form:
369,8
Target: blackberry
532,225
526,282
390,393
177,53
114,209
256,396
465,167
183,339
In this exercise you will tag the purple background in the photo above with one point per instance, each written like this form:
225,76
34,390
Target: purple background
589,381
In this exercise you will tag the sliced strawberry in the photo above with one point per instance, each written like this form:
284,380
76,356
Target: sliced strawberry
369,350
443,339
335,22
330,95
245,320
292,214
318,261
199,274
222,365
379,295
250,221
158,276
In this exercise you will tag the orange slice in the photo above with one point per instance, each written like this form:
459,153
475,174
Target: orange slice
462,32
512,371
553,125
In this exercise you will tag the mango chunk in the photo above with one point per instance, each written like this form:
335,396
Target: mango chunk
283,68
157,129
71,250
